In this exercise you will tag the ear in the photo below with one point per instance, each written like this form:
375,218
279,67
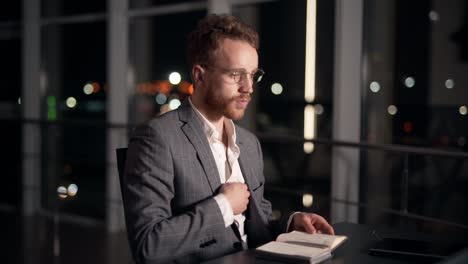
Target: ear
197,74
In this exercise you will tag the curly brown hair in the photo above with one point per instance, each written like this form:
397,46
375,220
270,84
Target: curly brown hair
204,41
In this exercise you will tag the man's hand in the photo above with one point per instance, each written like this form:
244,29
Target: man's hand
237,195
311,223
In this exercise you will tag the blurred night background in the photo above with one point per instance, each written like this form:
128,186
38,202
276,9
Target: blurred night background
362,113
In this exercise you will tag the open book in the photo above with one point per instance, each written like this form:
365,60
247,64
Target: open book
301,247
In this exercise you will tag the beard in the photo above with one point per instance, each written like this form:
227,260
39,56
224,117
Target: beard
228,107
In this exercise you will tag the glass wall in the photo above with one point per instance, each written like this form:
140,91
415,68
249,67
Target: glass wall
157,50
10,11
156,3
74,106
278,109
74,90
53,8
10,101
414,94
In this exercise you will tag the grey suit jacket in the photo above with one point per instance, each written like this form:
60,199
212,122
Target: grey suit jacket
169,183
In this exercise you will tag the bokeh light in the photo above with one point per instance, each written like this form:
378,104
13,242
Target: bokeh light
433,16
186,87
161,98
410,82
449,84
392,109
88,89
463,110
374,87
408,127
174,104
308,147
62,192
71,102
72,190
276,88
319,109
307,200
175,78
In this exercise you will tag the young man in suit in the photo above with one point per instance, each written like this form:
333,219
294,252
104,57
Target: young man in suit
194,180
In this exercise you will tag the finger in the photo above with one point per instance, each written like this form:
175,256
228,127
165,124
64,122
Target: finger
307,224
322,225
325,228
315,218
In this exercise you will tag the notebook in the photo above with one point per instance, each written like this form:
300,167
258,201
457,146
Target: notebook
300,247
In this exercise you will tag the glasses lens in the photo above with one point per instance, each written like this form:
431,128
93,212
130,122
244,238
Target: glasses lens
236,76
258,75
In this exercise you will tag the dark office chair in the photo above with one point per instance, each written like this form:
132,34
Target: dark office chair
121,158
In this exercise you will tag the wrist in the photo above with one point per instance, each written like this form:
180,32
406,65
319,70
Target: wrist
291,225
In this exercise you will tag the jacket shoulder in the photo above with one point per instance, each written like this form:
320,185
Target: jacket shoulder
160,124
245,134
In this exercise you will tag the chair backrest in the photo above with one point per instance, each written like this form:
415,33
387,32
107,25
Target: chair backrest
121,158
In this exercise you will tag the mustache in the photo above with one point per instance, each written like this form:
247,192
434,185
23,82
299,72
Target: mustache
242,97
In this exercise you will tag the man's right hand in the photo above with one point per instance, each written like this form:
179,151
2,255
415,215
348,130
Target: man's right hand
237,195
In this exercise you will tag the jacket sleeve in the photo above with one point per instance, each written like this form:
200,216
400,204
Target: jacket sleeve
155,233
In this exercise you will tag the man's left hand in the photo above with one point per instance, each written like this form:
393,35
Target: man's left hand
311,223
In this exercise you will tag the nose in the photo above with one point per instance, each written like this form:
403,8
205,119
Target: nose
246,84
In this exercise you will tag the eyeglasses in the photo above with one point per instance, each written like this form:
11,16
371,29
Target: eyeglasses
239,75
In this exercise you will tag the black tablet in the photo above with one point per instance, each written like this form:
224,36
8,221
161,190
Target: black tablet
413,249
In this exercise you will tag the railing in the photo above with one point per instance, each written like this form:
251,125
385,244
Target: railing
392,148
282,139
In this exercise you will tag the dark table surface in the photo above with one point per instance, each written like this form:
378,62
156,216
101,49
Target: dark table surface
353,250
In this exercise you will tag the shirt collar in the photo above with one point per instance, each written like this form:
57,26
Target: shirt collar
210,130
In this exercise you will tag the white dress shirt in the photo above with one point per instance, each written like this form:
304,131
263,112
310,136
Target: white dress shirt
228,166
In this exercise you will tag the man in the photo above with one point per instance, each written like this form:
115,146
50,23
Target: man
194,180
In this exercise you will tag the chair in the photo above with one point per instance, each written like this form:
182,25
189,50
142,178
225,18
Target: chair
121,158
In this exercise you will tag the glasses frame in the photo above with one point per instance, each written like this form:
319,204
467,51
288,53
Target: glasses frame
239,75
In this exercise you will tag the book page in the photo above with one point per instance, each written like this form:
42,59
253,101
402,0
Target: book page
318,239
310,253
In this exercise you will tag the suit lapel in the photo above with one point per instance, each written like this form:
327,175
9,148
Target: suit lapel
193,130
256,229
246,164
245,169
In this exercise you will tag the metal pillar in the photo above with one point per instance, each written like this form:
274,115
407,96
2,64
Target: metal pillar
117,107
347,107
31,96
